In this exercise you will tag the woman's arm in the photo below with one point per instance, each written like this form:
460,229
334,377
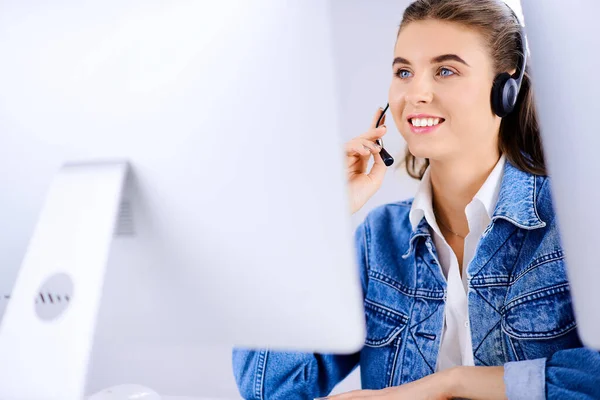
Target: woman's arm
480,383
288,376
572,374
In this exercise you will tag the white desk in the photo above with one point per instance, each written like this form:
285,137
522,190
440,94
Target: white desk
188,398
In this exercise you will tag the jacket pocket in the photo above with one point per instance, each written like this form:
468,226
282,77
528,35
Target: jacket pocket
542,314
383,324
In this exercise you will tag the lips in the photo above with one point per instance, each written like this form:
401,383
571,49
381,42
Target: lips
424,123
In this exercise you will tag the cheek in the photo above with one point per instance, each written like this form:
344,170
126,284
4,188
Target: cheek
397,104
470,108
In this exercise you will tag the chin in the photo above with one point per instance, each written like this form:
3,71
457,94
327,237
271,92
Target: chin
431,148
423,150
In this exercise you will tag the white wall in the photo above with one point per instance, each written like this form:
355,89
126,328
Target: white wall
364,34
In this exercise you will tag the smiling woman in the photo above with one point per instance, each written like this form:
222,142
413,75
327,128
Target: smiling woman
519,136
465,287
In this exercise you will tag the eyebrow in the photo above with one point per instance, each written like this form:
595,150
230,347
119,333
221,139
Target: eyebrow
438,59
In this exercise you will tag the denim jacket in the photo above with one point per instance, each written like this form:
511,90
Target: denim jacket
519,306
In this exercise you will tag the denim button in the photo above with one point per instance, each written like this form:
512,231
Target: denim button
466,324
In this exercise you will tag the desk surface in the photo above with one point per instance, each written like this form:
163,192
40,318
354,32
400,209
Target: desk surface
188,398
191,398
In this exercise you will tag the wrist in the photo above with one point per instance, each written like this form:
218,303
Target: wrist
452,381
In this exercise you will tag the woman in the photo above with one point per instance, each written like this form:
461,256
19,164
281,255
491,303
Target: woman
466,294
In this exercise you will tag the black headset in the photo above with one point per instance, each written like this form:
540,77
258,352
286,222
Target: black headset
505,89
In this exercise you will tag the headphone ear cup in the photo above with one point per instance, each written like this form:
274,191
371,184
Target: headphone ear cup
509,95
498,94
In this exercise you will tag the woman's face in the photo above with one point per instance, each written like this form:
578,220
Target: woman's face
443,72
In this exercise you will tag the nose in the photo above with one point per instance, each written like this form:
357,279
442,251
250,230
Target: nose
419,91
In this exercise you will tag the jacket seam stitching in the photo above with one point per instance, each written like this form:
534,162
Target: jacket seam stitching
424,319
512,345
495,252
558,255
535,196
421,353
485,337
383,278
553,334
395,314
392,373
513,266
486,300
554,289
412,309
260,374
367,236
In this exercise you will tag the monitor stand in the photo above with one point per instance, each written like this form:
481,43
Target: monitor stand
45,350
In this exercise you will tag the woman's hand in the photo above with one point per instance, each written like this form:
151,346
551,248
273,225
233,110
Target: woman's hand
476,383
363,185
432,387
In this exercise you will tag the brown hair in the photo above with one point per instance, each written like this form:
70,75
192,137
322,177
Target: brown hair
519,131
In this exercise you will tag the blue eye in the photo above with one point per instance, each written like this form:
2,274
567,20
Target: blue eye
403,73
444,70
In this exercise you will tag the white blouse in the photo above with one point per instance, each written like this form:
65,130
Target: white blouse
456,347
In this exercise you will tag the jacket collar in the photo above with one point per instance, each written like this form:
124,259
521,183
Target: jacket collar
516,204
517,199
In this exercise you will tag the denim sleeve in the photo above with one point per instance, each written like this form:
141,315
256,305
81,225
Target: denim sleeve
571,374
525,380
275,375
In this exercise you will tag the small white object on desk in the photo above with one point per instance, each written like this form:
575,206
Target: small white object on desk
126,392
135,392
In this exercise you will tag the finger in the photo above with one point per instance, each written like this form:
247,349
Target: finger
382,120
371,145
375,133
376,118
378,170
356,147
362,147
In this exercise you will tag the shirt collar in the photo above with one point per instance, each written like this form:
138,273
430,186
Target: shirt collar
516,201
490,190
422,205
498,193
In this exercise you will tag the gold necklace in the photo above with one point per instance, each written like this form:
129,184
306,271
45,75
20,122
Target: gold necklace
446,226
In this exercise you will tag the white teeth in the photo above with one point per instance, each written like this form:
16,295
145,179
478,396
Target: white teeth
424,121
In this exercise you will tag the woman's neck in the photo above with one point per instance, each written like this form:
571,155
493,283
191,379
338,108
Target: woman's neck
454,184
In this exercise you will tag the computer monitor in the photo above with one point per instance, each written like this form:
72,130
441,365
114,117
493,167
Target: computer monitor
566,87
205,136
